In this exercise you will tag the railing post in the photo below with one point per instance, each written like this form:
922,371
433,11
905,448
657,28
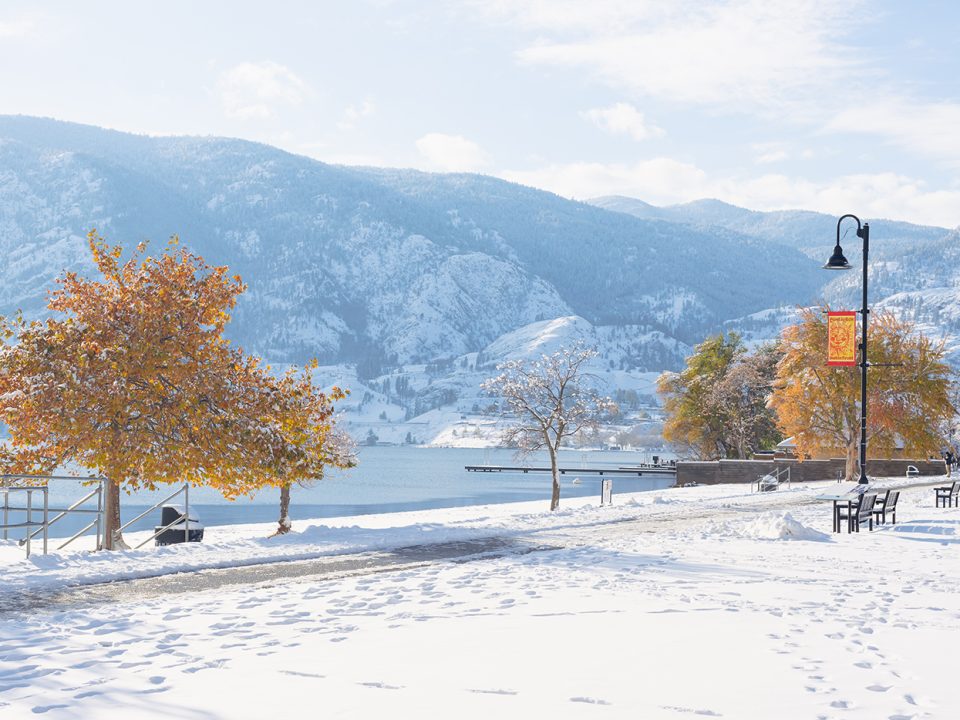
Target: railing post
6,512
46,517
99,514
29,517
186,507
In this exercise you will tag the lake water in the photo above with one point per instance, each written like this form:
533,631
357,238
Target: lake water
386,479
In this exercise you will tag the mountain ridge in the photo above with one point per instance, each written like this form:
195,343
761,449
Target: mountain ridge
368,264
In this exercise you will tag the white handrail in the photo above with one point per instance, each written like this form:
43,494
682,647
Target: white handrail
72,508
43,527
29,510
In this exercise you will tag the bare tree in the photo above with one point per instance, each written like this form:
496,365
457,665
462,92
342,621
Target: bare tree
552,400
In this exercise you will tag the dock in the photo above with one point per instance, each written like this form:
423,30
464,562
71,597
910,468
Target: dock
637,470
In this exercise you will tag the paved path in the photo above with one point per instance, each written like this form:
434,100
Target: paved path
329,567
322,568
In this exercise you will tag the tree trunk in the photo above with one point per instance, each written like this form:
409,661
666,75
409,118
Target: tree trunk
853,457
555,473
284,524
112,539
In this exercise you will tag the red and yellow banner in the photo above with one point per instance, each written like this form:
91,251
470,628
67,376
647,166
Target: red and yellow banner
842,338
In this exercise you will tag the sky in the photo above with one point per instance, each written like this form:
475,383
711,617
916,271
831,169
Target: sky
838,105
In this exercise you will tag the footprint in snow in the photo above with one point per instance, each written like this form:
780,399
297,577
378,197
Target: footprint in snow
492,692
40,709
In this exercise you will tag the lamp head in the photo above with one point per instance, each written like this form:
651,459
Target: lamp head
837,261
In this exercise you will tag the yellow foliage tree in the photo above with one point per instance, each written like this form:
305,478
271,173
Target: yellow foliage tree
311,441
133,378
908,391
716,406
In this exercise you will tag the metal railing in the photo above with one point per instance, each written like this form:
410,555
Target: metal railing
43,526
29,510
772,480
185,491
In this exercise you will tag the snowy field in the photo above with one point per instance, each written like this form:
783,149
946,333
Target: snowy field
695,602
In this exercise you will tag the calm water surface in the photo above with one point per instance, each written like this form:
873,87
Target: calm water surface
388,479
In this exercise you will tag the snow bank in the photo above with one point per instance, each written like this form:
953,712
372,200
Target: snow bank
771,526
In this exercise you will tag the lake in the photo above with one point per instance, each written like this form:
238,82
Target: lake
386,479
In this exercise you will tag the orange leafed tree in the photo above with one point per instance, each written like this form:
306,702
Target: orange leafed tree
310,440
908,391
133,378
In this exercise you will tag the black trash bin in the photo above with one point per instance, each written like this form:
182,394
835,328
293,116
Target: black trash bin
175,533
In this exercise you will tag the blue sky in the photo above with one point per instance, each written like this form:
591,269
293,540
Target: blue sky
835,106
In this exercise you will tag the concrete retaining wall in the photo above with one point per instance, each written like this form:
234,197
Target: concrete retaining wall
747,471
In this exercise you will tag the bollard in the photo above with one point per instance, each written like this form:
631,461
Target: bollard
606,492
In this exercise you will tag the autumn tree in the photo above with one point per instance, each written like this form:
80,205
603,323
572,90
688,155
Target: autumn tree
716,406
132,377
552,400
311,441
908,393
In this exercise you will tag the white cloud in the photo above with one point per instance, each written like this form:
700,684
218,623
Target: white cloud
603,16
255,90
623,118
735,54
767,153
772,156
354,114
664,181
806,63
932,128
452,153
659,181
18,28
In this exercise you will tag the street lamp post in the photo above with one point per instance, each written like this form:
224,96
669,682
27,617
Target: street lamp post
838,262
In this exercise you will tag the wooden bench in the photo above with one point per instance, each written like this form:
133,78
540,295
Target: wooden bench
947,496
887,505
862,512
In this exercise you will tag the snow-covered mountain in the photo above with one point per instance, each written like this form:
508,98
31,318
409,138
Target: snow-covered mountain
810,232
411,286
442,404
378,267
914,270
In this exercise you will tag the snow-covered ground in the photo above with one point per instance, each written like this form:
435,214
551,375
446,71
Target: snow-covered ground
690,602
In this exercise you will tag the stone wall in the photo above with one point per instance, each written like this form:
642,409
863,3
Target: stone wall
747,471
